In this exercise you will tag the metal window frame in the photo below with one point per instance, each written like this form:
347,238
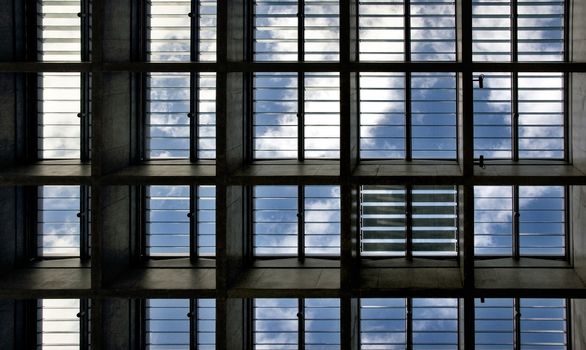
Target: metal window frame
194,84
409,229
409,321
31,195
193,216
300,255
515,231
32,325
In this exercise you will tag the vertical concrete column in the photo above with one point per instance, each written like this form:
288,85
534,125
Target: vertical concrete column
8,322
465,91
115,319
350,318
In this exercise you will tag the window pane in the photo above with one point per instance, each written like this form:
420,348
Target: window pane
59,33
381,27
322,30
433,109
322,220
275,324
167,223
540,30
433,30
493,220
58,122
275,30
167,324
491,30
543,324
322,324
435,324
493,116
383,324
275,220
169,30
541,115
383,220
494,324
58,224
206,220
58,324
206,324
275,115
542,220
322,115
382,115
434,221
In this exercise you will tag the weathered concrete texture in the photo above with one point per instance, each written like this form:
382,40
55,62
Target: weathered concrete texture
7,320
7,118
162,174
466,234
538,280
288,173
114,230
116,43
578,119
287,283
116,114
7,227
578,229
426,172
25,282
116,316
47,173
234,233
526,174
578,31
235,31
230,332
234,122
164,280
578,324
425,280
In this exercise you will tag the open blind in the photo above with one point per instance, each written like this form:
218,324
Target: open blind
58,222
58,326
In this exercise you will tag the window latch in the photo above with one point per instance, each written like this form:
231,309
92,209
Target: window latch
190,314
480,81
81,15
80,314
80,214
481,163
190,115
79,115
190,215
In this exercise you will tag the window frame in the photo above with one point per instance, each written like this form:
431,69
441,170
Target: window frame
31,196
301,255
194,88
409,228
515,229
192,214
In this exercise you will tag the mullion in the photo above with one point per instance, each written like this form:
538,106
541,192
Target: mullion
193,318
84,324
408,107
516,228
515,115
514,31
143,220
409,324
84,115
193,216
301,324
517,323
84,222
300,223
409,222
301,81
194,82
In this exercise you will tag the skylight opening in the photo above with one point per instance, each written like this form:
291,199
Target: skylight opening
413,221
520,221
180,221
281,212
59,324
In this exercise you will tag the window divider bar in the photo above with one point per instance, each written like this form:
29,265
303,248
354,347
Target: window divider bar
194,82
84,222
300,30
142,222
567,224
32,116
409,324
193,318
517,323
301,116
516,238
301,324
408,119
300,223
515,115
85,17
84,324
84,117
409,222
193,234
407,30
568,309
514,31
31,203
566,117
